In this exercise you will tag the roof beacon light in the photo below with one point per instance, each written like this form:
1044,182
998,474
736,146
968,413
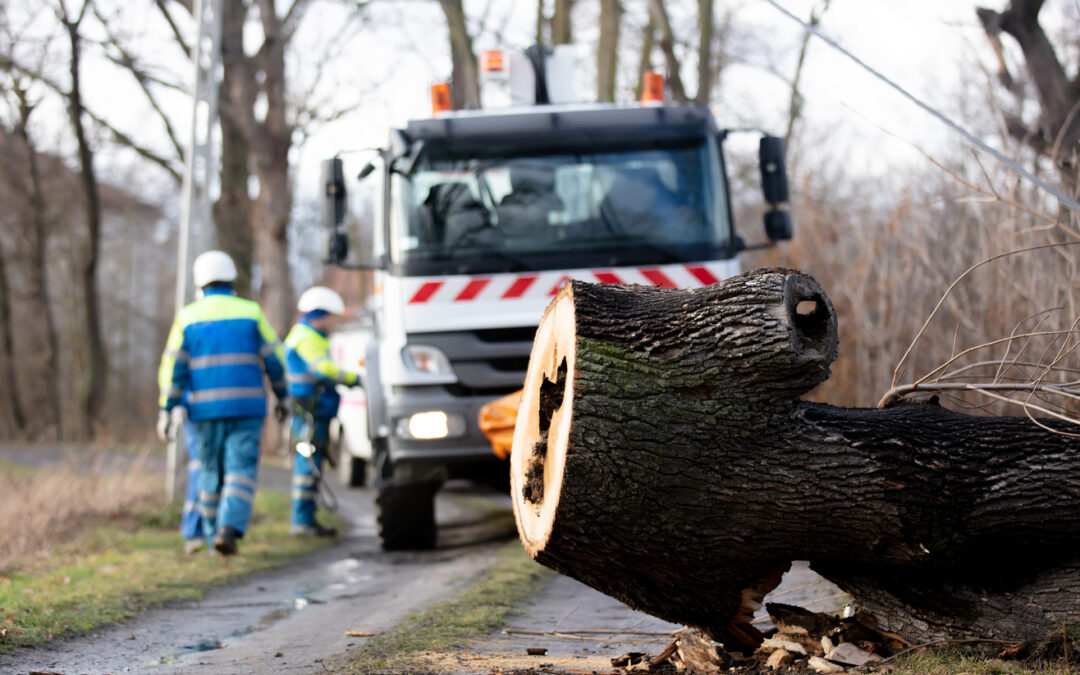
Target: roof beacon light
440,98
492,63
652,88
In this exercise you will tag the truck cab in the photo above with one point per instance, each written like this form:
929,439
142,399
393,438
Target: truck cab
484,216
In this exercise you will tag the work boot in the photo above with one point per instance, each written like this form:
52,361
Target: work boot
313,530
194,545
225,541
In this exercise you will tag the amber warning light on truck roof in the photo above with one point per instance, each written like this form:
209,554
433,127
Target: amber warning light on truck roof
491,62
440,98
652,88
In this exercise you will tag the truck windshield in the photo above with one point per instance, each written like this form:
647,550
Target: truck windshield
652,205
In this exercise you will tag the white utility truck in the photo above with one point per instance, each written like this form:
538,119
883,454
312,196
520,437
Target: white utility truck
482,216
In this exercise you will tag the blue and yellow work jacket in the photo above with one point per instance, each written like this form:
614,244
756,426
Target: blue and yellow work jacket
217,351
310,368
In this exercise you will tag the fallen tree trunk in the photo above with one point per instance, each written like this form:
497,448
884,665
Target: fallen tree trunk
662,455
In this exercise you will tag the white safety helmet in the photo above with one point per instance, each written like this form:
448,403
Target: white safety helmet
213,266
321,297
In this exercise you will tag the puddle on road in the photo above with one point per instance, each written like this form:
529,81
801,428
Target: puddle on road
204,645
269,619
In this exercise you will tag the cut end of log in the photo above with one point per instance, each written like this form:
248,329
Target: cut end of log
542,430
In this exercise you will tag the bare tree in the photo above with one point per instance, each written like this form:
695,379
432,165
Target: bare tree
39,281
465,82
1056,133
561,25
659,17
93,390
607,51
7,351
707,29
648,40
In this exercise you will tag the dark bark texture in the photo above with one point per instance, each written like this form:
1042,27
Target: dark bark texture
663,456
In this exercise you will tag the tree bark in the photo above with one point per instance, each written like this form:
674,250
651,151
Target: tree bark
706,30
7,353
607,50
232,211
662,455
561,25
465,82
648,36
659,17
92,393
49,371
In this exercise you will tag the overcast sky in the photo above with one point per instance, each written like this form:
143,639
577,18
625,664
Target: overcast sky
932,47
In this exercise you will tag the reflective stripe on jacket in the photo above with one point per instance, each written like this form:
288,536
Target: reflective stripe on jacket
217,351
309,364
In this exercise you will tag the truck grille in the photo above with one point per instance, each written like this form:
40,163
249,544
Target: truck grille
489,362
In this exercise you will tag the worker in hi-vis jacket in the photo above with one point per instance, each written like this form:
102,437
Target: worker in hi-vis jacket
313,377
215,357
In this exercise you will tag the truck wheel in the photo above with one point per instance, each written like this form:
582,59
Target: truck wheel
406,516
353,470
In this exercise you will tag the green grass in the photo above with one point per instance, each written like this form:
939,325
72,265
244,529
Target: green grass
113,571
958,661
473,613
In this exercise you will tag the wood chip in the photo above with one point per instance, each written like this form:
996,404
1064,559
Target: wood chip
666,654
700,654
851,655
774,643
779,659
820,665
359,633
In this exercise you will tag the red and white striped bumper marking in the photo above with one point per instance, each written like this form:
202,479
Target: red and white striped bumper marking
513,287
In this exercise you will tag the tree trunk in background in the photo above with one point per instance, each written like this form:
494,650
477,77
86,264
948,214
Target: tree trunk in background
49,371
795,102
232,210
92,393
607,51
648,36
662,455
541,21
707,28
658,15
1058,134
465,84
7,353
561,25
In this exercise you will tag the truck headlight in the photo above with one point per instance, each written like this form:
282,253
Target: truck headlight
430,425
425,359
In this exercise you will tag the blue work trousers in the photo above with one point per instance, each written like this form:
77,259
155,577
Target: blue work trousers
190,519
229,453
305,485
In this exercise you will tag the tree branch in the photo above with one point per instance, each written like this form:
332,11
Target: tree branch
177,35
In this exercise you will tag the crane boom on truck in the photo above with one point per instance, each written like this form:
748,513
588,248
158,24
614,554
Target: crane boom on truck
482,216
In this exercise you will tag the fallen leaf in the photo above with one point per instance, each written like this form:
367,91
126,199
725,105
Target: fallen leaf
359,633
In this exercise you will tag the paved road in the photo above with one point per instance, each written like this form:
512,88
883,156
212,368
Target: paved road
295,618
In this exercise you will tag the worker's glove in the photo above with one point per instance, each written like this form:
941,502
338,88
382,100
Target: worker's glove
164,425
282,409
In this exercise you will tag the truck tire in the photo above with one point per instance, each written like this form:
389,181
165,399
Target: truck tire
405,515
353,470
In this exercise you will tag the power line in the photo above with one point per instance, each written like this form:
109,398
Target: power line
971,138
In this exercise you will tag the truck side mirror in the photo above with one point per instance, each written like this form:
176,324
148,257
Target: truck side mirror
333,197
774,184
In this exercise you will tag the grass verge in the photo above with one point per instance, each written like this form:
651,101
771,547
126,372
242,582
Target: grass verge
956,661
112,571
473,613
